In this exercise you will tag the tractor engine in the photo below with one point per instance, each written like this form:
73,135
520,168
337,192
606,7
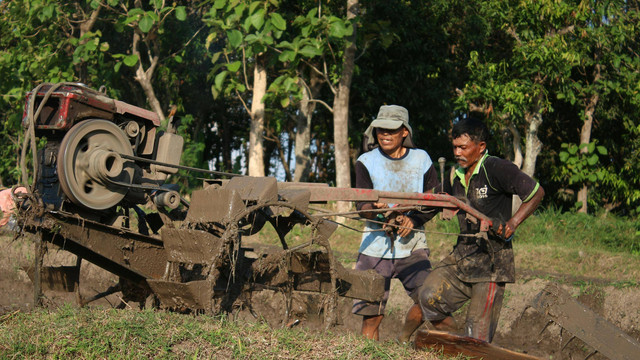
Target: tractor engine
99,152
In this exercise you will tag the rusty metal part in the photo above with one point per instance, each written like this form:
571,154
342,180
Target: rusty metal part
60,105
88,158
449,204
450,344
66,103
392,224
169,152
122,252
219,259
261,190
196,295
192,269
312,269
228,205
170,199
132,129
190,246
56,278
582,322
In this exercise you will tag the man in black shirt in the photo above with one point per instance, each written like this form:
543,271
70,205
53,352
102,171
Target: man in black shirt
478,269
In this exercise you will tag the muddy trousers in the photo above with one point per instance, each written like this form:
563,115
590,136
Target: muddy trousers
443,293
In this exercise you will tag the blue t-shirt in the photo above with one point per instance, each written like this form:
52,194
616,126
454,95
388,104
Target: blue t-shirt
405,174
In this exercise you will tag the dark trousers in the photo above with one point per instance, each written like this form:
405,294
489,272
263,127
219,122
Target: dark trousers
443,293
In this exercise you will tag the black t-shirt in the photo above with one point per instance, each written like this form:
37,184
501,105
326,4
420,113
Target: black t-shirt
490,191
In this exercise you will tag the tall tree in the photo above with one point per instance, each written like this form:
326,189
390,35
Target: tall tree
313,35
513,83
341,104
602,41
311,52
146,22
250,27
306,108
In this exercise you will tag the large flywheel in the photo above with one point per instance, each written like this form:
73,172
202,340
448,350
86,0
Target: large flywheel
90,169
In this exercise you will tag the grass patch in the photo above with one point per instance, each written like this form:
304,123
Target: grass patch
608,232
116,334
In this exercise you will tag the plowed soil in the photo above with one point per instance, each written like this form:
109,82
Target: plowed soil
521,327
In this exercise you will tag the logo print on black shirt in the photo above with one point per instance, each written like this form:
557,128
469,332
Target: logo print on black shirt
481,193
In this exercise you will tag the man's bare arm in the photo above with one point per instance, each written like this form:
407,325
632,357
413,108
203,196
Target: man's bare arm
525,210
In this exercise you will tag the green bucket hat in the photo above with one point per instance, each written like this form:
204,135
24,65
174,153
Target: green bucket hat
389,117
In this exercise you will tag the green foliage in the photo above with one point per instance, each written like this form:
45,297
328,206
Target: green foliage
151,22
516,60
564,63
31,48
581,165
251,28
192,155
258,28
515,82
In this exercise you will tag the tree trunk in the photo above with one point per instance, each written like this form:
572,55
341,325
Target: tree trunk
144,77
517,148
282,154
341,111
534,145
85,27
256,135
516,153
226,145
585,137
303,128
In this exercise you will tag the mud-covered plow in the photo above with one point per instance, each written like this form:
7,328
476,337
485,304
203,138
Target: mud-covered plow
195,259
199,262
99,190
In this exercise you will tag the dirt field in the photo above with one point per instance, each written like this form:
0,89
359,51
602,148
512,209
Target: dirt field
521,328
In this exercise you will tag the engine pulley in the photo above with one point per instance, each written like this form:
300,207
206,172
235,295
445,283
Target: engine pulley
89,164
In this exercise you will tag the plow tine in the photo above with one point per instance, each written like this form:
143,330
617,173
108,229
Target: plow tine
111,290
570,340
545,327
591,354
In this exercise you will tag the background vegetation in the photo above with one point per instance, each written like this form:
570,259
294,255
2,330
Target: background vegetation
260,86
557,81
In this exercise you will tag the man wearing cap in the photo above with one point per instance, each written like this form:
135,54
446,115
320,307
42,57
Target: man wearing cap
392,163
